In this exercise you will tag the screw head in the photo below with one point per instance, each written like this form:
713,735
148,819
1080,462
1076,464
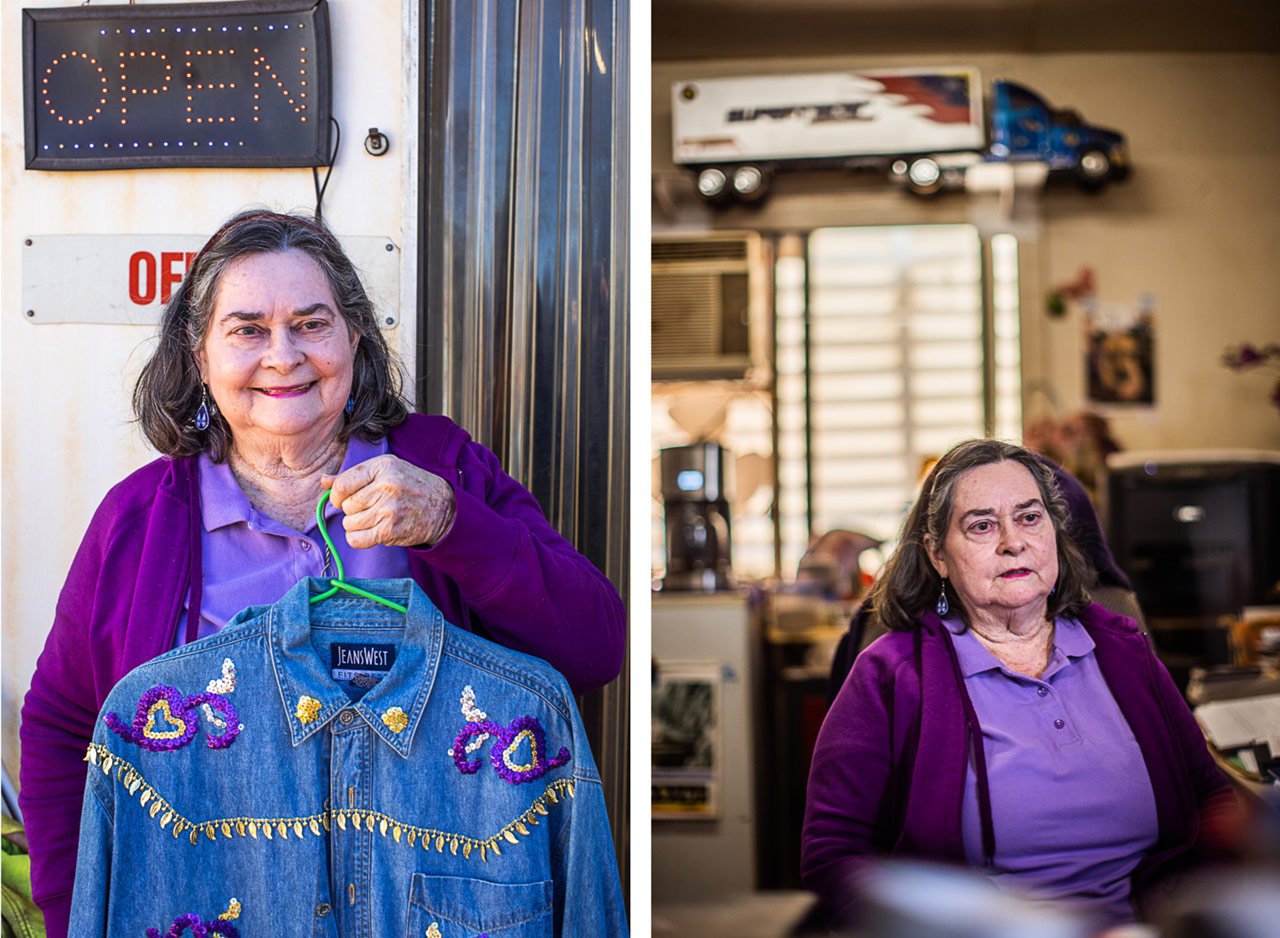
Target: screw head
390,247
31,314
27,242
391,321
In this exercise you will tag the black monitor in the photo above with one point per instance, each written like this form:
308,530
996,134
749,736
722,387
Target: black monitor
1199,535
1197,532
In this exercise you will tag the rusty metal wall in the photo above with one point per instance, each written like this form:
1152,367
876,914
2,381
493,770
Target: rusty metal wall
523,279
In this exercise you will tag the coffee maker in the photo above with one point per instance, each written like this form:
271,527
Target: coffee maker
695,504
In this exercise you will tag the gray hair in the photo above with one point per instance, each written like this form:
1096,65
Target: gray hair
909,585
169,389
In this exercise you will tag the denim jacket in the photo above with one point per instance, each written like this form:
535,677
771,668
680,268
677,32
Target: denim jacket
342,769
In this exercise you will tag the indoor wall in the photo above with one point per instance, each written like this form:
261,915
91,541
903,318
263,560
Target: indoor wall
1194,225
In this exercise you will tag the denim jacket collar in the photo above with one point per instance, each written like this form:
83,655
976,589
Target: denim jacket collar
300,672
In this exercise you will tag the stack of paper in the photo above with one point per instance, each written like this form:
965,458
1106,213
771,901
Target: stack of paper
1230,724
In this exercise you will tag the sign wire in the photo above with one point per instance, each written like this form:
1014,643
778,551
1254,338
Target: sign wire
315,173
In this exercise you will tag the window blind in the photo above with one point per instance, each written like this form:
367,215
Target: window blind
892,336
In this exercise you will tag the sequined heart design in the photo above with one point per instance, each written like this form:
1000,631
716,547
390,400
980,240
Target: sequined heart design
509,754
523,733
178,720
176,726
517,753
179,723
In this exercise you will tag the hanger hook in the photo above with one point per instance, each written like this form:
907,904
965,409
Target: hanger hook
324,533
340,581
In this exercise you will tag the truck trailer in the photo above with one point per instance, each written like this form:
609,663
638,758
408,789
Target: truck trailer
923,127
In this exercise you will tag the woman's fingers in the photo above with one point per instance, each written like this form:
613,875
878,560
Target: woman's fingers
367,529
347,483
388,501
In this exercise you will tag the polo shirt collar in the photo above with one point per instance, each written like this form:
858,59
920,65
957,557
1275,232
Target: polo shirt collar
970,653
311,698
1069,639
223,502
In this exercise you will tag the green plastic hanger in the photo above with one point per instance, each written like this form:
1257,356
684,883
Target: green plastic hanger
341,582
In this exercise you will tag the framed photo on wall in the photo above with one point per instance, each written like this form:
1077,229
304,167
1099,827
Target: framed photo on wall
1120,353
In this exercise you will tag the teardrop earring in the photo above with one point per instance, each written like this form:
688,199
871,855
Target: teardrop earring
943,606
202,413
351,404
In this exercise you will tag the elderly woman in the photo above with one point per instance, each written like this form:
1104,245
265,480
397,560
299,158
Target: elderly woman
1109,585
1004,721
271,383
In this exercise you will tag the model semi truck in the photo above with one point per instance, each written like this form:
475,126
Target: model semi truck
925,127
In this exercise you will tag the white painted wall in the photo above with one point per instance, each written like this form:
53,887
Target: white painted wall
65,426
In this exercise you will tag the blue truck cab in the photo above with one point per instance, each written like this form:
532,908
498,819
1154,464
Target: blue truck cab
1024,127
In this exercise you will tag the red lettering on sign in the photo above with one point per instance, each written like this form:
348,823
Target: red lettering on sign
146,274
140,281
168,276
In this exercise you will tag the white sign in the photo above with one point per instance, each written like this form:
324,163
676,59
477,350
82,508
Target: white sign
827,115
128,279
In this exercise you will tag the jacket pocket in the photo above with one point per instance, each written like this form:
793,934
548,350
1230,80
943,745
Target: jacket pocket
462,907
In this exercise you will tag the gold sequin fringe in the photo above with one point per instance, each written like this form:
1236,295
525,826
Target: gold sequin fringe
269,828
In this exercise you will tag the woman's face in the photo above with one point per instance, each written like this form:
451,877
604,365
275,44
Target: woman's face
278,355
999,550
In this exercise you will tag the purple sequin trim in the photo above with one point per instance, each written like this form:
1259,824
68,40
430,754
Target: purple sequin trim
506,740
165,720
468,766
199,929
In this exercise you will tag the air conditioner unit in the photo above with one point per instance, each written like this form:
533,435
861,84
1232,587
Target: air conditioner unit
709,307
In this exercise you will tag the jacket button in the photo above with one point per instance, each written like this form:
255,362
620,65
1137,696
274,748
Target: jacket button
1059,724
345,717
322,909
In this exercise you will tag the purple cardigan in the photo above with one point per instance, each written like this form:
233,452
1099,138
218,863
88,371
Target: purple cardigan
889,765
502,570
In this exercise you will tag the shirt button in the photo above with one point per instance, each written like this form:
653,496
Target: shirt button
306,544
346,716
322,909
1042,691
1059,724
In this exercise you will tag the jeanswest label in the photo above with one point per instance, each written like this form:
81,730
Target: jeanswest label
349,660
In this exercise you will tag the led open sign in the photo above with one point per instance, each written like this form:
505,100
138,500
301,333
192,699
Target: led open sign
198,84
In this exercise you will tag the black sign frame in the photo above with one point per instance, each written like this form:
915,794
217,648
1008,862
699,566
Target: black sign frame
277,115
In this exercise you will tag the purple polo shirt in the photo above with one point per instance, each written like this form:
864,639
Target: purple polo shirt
250,559
1071,799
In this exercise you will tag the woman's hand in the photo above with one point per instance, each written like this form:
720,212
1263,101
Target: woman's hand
388,501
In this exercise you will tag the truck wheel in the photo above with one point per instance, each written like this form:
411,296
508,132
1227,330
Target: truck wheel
750,183
1093,169
924,177
712,183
